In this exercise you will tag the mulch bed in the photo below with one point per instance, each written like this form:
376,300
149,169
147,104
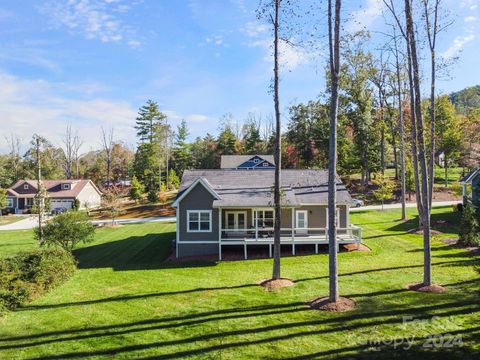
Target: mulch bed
354,247
342,305
434,288
420,232
272,285
454,242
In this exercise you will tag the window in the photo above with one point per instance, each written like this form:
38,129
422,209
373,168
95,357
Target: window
9,203
29,201
65,186
199,220
265,164
25,187
264,218
256,160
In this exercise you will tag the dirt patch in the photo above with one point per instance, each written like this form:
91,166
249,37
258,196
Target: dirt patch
271,284
355,247
112,226
434,288
450,241
341,305
420,232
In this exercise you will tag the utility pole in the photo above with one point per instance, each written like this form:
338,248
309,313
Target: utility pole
39,192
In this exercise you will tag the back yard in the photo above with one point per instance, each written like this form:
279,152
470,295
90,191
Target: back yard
125,301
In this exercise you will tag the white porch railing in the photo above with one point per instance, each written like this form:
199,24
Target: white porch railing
348,234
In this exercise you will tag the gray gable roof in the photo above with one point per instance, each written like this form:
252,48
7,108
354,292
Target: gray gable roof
255,188
233,161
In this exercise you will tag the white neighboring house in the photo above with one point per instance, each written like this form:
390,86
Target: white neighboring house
62,194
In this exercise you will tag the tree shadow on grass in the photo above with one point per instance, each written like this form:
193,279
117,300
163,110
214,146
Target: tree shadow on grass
316,325
446,222
146,252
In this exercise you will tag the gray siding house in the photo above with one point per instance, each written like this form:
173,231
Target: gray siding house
62,194
234,207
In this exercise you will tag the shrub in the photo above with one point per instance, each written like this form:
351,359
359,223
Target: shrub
152,196
174,180
67,230
136,190
469,234
76,205
26,276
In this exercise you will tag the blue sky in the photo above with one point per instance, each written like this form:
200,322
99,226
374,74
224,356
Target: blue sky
92,63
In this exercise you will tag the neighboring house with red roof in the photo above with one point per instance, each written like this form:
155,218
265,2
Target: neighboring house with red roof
62,194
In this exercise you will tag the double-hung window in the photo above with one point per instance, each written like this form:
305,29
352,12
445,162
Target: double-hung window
199,221
264,218
9,203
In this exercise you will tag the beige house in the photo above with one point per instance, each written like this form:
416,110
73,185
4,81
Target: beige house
62,194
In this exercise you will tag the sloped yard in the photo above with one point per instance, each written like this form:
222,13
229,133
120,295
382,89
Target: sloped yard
125,302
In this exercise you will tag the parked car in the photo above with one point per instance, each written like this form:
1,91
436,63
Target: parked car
358,203
58,210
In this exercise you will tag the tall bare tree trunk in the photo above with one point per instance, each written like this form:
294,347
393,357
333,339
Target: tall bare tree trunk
334,50
427,271
40,199
401,129
277,152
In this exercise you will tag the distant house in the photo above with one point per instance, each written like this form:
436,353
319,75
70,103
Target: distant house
234,207
247,162
62,194
471,187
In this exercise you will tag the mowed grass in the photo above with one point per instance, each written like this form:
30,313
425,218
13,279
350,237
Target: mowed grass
124,302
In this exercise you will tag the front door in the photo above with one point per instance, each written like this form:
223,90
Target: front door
236,220
301,226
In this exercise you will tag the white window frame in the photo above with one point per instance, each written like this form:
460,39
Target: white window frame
9,202
29,202
256,160
265,164
65,186
25,187
338,216
209,212
255,211
235,213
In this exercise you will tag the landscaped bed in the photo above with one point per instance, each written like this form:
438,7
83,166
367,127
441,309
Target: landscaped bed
125,301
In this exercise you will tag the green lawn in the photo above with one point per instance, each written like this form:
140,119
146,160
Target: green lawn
454,175
124,302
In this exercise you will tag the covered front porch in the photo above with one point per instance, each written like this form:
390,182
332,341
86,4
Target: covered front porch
300,226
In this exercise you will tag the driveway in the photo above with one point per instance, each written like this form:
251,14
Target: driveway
27,223
409,205
32,221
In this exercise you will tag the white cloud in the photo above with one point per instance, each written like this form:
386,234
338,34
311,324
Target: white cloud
197,118
364,17
254,29
470,19
95,19
37,106
457,46
290,56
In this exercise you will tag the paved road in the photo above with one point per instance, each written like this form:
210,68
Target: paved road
32,221
409,205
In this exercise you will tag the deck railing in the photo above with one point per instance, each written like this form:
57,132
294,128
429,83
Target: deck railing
352,233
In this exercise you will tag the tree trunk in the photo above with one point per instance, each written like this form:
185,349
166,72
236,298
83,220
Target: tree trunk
401,132
277,152
427,271
446,171
334,47
40,195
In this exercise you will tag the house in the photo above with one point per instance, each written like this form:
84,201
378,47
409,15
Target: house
234,207
471,187
62,194
247,162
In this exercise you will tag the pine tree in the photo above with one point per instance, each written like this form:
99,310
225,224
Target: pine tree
148,121
136,189
182,151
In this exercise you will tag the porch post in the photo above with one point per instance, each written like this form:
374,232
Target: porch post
293,231
220,233
255,217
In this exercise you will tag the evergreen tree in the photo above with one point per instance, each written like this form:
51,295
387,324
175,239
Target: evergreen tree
182,151
136,189
174,179
252,139
148,121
